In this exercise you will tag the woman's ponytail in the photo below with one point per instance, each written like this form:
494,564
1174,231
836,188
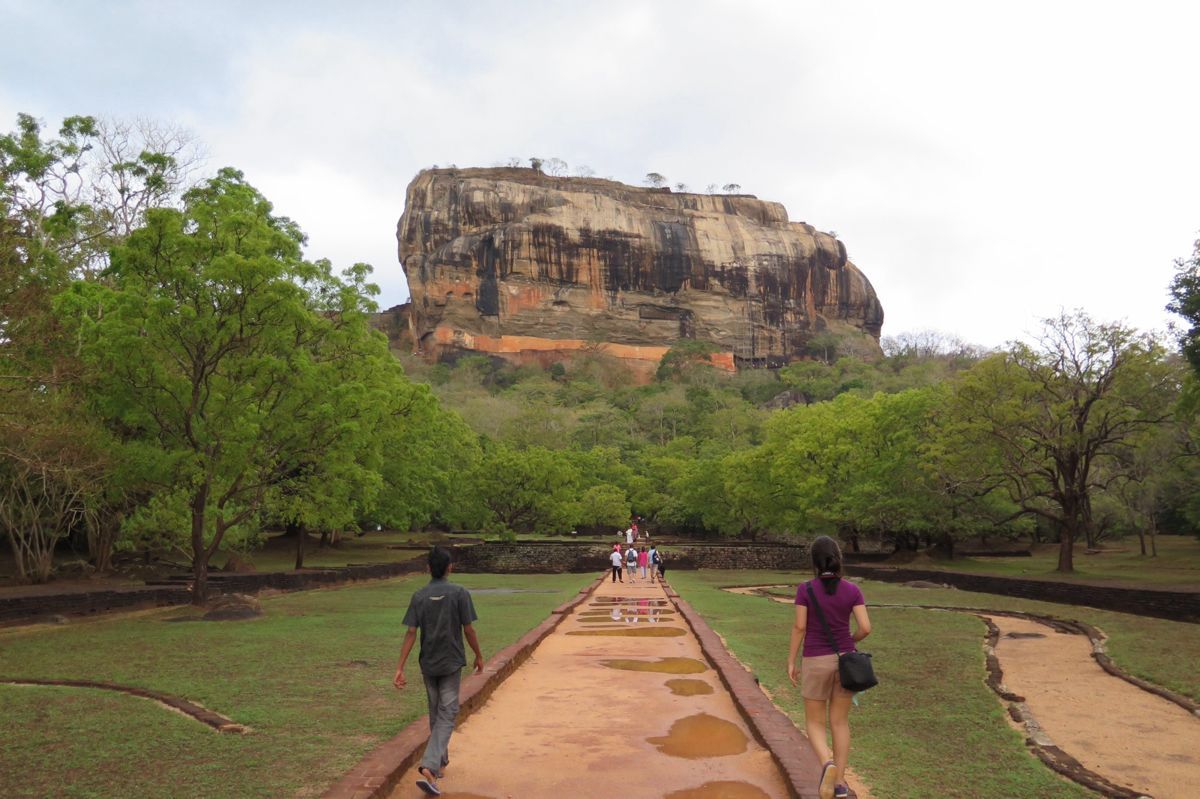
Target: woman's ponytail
827,562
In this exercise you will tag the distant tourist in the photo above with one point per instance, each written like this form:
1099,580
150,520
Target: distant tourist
662,565
818,677
616,560
629,536
444,613
653,558
643,561
631,564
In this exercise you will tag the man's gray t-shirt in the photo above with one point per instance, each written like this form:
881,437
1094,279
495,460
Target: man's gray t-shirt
440,610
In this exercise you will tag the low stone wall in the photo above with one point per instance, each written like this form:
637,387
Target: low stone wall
535,557
37,608
1172,605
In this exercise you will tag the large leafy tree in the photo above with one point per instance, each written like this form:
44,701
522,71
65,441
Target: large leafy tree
216,340
1185,301
1049,415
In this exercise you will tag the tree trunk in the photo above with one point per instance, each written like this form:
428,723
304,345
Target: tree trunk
1141,537
199,551
297,529
1066,546
1153,536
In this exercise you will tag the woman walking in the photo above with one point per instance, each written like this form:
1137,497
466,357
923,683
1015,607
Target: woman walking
824,696
643,561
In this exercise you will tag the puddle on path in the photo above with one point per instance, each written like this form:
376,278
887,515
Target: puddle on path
627,600
701,736
636,632
662,665
684,687
721,790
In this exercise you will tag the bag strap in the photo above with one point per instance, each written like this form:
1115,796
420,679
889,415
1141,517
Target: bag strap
821,615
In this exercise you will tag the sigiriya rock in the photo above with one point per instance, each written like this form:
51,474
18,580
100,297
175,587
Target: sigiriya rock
533,268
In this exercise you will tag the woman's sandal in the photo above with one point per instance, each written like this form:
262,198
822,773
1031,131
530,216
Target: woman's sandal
828,780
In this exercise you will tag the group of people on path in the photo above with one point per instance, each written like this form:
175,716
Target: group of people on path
442,613
648,562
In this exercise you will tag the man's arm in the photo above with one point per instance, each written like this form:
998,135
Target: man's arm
473,642
410,638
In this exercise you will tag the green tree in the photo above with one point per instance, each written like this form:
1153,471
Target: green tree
1185,301
211,341
529,490
1053,413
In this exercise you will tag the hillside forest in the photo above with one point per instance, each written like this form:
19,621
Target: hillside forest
177,376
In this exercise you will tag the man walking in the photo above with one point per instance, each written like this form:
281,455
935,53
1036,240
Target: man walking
444,613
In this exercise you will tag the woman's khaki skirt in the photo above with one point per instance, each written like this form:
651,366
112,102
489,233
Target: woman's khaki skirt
819,678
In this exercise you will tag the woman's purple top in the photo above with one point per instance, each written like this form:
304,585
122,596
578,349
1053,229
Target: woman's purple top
838,607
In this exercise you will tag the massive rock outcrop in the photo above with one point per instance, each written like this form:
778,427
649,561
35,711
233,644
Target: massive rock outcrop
536,268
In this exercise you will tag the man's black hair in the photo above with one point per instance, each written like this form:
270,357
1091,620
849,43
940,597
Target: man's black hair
439,562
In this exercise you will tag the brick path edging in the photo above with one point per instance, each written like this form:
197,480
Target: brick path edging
774,730
376,775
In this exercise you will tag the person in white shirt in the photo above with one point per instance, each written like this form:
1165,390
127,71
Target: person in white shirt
615,559
629,537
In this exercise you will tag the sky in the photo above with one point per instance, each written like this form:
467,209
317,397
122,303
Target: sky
987,165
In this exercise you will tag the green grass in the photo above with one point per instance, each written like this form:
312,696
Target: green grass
290,676
279,554
931,728
1176,566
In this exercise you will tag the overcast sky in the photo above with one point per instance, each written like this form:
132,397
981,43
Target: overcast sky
986,164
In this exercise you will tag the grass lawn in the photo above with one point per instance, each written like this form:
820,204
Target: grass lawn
279,554
1177,565
292,676
931,728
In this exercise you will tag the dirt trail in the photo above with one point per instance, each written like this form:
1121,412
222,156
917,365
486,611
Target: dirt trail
594,715
1113,728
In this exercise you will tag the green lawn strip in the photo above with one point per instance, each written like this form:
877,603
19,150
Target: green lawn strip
1176,566
931,728
292,676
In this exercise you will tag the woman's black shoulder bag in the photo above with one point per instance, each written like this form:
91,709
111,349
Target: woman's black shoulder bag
854,668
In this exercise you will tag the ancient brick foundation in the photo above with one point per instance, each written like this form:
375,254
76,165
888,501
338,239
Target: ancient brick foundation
530,557
1172,605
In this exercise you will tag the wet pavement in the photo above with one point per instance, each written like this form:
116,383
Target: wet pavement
598,712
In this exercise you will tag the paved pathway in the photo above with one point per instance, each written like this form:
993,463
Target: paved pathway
570,723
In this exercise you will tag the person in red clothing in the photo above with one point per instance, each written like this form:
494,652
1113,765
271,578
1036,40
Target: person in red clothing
823,693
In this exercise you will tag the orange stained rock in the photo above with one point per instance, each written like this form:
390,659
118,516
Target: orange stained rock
577,719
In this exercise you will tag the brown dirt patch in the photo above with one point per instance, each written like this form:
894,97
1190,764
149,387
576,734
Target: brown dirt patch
1125,734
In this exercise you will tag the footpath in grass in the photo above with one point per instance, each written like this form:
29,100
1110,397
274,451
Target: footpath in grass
931,728
312,678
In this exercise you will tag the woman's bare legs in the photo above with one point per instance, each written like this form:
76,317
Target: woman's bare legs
839,723
814,725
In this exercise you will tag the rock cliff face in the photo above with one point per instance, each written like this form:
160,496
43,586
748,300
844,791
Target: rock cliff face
536,268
